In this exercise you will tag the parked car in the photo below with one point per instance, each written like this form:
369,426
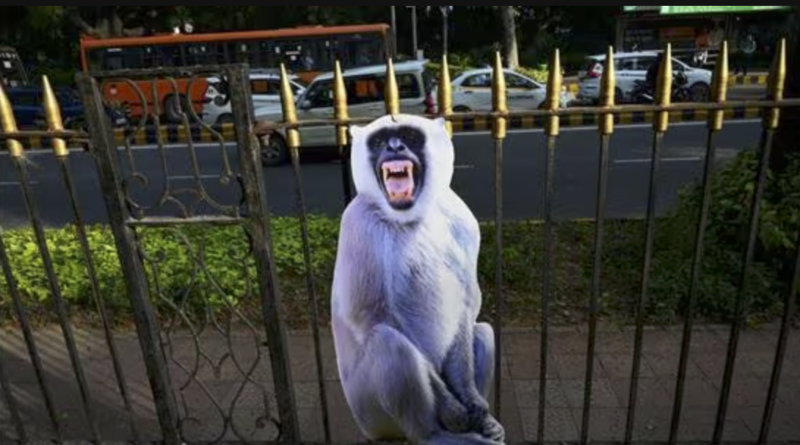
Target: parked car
265,87
28,106
364,88
630,67
472,91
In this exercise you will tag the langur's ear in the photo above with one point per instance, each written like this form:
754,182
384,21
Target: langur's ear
355,130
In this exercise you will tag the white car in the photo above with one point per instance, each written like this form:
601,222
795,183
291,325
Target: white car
265,87
472,91
630,67
364,88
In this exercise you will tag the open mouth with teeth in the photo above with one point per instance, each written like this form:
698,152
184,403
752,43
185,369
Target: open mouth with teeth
399,183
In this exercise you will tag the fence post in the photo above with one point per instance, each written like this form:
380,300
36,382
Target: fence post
103,149
258,228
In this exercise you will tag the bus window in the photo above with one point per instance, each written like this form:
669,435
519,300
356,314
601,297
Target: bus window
364,89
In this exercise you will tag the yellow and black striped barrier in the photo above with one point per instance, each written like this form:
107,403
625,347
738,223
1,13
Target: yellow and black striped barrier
177,134
573,86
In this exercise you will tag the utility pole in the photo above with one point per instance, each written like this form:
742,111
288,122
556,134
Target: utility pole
414,29
394,34
445,10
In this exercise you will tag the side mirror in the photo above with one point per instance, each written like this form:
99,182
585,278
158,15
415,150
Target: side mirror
305,105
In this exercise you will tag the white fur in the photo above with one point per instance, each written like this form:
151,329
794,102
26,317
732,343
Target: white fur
405,301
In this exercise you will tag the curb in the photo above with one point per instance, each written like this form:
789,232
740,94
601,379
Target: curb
225,132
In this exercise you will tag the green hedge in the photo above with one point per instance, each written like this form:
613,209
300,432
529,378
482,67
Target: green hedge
225,281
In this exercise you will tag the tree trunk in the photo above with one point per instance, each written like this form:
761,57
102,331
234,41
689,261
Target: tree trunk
509,36
788,134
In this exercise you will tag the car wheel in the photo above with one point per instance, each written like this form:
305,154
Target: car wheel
274,151
225,119
461,109
618,96
700,92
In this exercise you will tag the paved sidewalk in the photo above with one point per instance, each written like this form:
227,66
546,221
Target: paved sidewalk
215,379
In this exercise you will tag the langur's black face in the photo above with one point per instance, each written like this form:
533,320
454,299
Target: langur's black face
398,157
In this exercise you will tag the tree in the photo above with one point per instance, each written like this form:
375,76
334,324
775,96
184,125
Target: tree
508,16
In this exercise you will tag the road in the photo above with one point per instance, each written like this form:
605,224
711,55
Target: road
523,175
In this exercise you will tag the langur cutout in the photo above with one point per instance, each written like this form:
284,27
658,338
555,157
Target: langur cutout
413,361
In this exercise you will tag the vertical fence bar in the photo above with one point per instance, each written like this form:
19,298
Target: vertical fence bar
445,95
340,112
104,151
715,120
9,125
258,224
553,101
59,150
660,124
56,297
11,401
780,350
391,94
498,134
770,124
606,128
290,116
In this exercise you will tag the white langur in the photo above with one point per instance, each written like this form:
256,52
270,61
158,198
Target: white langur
413,361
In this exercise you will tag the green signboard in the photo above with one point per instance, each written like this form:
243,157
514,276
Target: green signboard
669,10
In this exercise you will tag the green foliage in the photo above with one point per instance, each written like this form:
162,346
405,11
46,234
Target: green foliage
725,241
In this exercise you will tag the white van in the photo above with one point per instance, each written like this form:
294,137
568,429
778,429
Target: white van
364,87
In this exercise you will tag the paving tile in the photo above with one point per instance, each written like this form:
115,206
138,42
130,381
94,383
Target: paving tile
573,366
619,365
697,423
559,425
602,393
605,424
650,392
527,393
696,393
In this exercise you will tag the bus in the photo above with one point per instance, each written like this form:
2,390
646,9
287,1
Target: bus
12,73
306,51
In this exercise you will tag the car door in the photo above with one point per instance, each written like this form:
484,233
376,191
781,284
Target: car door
474,92
317,103
265,92
629,71
523,94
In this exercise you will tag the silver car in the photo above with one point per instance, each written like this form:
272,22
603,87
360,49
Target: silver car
632,67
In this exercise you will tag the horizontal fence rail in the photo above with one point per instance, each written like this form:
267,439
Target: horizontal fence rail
185,339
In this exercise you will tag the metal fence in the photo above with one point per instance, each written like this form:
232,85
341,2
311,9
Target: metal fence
188,215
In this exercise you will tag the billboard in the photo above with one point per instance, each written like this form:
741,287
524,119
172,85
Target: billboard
675,10
669,10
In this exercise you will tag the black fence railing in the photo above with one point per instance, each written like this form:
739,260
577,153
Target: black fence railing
201,282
